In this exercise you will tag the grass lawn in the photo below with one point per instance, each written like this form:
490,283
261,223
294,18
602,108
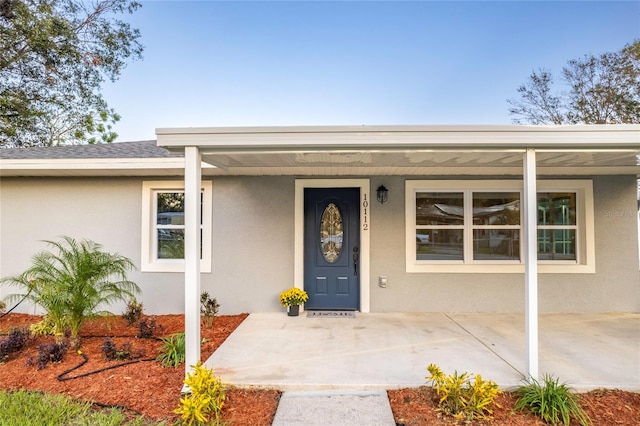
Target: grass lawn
27,408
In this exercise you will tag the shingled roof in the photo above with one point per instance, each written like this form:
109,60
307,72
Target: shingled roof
139,149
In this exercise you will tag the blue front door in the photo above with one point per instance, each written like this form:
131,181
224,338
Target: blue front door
332,248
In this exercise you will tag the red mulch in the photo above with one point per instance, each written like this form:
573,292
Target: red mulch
419,406
146,388
150,389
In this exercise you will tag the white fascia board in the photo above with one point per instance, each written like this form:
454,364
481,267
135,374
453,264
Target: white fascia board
94,164
417,137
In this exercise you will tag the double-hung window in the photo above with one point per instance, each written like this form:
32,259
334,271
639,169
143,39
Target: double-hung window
476,226
163,227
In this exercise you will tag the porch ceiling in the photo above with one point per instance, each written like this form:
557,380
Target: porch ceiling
374,162
411,150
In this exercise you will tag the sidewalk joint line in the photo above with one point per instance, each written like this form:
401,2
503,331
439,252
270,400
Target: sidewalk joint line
484,344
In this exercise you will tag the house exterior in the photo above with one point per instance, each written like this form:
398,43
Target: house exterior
476,218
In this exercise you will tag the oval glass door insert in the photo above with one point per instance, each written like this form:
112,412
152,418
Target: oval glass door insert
331,233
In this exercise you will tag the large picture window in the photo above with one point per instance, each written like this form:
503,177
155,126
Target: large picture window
476,226
164,229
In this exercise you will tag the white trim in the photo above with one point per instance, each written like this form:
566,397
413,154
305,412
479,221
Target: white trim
585,233
365,241
94,163
554,138
148,261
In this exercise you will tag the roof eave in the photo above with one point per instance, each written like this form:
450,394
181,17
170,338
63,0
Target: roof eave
624,136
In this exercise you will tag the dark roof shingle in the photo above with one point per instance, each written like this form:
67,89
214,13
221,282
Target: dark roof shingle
140,149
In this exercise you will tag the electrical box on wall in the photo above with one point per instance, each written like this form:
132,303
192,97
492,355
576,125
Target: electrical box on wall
382,281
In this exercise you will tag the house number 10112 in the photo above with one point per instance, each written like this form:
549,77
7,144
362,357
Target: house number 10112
365,205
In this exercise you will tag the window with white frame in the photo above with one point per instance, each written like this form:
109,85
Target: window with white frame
163,226
476,226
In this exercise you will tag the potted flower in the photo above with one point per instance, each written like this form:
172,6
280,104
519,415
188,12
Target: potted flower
293,298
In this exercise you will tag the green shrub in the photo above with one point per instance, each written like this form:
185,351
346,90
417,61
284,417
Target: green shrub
172,352
44,327
206,398
72,283
463,395
553,402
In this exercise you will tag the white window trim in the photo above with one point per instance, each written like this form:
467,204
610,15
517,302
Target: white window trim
584,218
149,261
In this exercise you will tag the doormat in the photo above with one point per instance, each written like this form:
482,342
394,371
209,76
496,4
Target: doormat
331,314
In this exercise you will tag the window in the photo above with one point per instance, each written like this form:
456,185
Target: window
475,226
163,226
557,226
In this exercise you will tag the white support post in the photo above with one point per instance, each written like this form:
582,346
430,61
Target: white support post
531,262
192,190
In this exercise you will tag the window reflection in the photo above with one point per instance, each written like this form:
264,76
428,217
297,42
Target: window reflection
439,244
496,244
557,208
170,225
439,208
496,208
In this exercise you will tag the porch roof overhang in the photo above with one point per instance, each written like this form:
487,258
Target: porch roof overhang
410,150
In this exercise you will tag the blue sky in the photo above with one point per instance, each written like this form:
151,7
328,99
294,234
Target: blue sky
266,63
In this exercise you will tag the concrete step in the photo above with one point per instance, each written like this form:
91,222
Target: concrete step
334,407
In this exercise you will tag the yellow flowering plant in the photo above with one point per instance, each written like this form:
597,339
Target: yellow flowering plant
204,403
293,296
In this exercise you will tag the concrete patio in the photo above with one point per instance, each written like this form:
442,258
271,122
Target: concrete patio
386,351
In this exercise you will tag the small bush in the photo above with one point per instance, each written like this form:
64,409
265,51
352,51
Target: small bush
172,352
112,352
133,312
13,342
552,402
147,328
208,307
463,395
206,399
45,327
109,349
48,352
3,307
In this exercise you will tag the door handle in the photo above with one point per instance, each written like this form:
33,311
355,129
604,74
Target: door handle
356,257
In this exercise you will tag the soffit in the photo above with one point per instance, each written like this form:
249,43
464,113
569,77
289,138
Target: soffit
362,163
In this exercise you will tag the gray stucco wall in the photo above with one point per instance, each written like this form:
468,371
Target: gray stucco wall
105,210
252,249
252,256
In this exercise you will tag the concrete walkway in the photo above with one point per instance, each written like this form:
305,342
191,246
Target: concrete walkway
334,407
374,352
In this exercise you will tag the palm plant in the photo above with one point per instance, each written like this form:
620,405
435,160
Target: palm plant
72,284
